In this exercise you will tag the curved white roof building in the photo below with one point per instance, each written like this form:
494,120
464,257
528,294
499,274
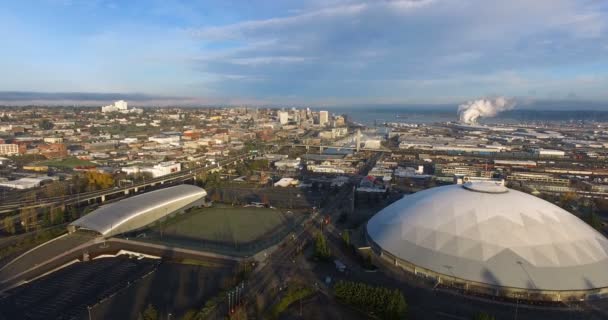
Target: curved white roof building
484,234
139,211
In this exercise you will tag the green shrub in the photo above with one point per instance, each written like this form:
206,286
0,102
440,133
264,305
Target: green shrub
389,304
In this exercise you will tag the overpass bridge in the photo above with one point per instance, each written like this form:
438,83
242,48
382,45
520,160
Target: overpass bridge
70,248
101,195
323,147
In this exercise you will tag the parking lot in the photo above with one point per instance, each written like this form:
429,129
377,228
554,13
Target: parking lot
67,293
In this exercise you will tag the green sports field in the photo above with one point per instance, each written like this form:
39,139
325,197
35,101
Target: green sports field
225,224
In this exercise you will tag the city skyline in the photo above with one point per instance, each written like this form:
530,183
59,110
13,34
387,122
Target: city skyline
335,53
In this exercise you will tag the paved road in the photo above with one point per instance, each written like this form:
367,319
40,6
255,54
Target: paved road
279,266
427,303
62,250
42,254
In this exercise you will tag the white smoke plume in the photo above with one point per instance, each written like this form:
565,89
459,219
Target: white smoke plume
470,111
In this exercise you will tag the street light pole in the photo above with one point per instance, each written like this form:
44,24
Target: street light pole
161,223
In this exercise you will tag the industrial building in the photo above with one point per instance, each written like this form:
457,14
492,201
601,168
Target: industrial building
158,170
27,182
484,238
139,211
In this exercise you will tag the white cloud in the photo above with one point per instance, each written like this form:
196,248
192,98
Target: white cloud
342,10
255,61
371,48
325,50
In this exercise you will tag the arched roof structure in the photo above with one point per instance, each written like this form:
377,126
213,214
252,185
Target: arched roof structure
139,211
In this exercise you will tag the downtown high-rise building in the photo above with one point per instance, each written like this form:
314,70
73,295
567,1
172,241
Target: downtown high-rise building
323,118
283,117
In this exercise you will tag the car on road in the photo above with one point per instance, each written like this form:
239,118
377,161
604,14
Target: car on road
340,266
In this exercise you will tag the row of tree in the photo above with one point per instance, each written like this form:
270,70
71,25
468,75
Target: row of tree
384,302
249,167
483,316
322,250
586,209
30,219
208,180
150,313
29,241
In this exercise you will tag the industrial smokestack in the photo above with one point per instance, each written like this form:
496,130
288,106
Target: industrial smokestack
470,111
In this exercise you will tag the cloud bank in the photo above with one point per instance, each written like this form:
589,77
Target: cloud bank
312,52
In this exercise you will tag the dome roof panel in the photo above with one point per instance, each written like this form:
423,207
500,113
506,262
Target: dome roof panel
472,227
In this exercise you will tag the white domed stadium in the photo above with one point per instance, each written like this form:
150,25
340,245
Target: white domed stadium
484,237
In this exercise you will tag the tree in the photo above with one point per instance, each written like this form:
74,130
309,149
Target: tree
239,314
322,250
483,316
257,165
57,215
190,315
99,180
46,124
9,225
29,218
79,183
383,302
46,218
210,180
594,220
241,169
86,211
215,197
346,237
73,214
567,199
25,159
396,307
31,196
265,199
150,313
54,189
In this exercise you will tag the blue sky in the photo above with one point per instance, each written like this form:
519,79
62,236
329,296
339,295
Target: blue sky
320,52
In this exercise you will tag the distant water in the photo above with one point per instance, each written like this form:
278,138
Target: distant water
370,115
